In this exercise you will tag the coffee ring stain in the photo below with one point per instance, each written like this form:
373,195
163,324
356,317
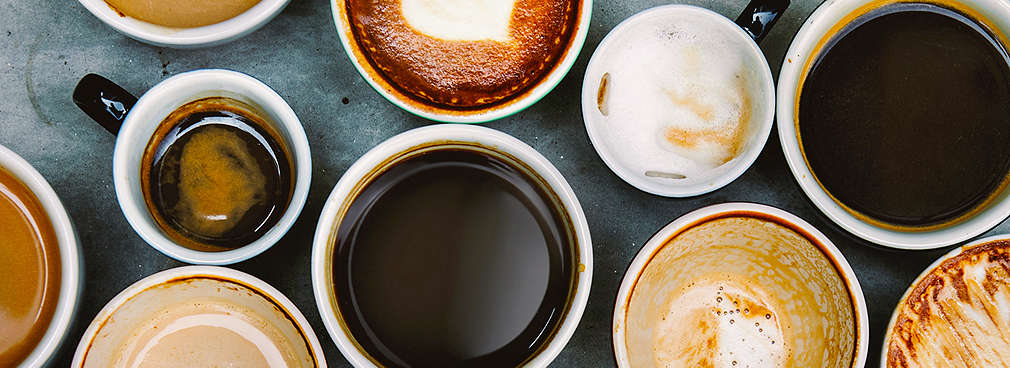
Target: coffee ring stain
33,97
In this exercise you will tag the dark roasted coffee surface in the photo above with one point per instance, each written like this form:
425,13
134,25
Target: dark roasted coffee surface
464,74
215,175
452,258
905,117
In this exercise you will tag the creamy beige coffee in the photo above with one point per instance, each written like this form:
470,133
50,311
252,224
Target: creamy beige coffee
199,322
182,13
958,315
740,291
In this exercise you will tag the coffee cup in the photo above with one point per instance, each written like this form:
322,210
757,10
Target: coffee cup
678,100
240,197
462,61
889,163
740,284
199,316
248,17
482,286
951,314
50,312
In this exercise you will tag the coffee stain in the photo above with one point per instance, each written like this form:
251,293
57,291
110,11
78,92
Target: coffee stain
33,97
164,62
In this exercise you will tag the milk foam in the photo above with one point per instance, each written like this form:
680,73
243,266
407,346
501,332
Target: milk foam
721,325
460,20
679,96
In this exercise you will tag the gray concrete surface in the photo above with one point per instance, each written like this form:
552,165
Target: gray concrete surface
48,45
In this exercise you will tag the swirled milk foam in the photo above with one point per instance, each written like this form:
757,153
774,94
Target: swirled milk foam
676,95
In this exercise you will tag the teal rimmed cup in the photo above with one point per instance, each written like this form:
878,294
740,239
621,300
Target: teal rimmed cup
494,111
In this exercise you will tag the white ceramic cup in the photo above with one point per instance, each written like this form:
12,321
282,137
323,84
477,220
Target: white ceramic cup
343,195
802,51
756,133
498,111
911,287
209,35
138,303
660,240
71,267
140,123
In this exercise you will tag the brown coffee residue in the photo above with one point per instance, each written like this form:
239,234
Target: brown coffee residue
181,13
729,134
957,313
30,274
601,94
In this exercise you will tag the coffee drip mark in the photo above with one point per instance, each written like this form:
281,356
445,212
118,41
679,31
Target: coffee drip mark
601,95
660,174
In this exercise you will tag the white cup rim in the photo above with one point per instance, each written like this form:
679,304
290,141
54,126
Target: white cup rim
247,280
740,163
209,35
71,263
932,266
135,209
659,240
321,247
520,103
820,21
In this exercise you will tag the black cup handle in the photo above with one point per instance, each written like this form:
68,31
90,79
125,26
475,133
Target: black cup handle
104,101
759,16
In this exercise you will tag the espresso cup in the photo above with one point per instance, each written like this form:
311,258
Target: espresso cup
135,122
641,145
195,37
952,314
827,24
340,211
740,284
199,316
457,40
70,264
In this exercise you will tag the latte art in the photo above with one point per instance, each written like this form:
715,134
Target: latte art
460,20
460,54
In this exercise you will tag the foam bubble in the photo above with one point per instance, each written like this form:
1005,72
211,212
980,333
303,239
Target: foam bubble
460,20
718,325
678,98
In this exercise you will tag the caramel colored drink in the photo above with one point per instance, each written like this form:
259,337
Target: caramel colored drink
182,13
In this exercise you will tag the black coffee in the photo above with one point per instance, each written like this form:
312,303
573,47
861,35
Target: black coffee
905,115
453,258
215,175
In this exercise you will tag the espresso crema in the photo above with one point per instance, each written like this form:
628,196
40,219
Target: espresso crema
462,54
958,315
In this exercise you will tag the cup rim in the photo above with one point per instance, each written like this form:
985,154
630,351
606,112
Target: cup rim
321,247
793,68
267,291
704,214
214,79
195,37
496,112
71,263
928,270
740,163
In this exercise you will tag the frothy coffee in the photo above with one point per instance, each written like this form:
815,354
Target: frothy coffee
676,94
958,313
740,291
459,54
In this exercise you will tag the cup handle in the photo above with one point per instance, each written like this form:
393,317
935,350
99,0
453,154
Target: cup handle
759,16
104,101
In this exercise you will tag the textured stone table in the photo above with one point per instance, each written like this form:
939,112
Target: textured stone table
48,45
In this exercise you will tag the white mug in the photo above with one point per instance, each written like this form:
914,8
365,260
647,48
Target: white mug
806,46
111,106
71,264
750,27
362,171
205,36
